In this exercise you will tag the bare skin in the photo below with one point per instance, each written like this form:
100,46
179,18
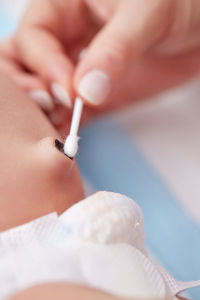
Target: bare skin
35,178
63,291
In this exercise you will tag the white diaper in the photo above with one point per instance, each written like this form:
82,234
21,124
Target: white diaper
98,242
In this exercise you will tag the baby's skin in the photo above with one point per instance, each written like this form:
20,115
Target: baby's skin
63,291
35,177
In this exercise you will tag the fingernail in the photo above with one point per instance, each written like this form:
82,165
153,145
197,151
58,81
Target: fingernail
95,86
42,98
61,94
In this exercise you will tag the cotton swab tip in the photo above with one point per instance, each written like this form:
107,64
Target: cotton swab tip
71,145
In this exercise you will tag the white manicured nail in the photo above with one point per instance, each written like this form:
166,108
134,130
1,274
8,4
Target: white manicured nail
61,94
42,98
95,86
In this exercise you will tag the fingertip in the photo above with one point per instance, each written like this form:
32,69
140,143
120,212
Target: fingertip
43,98
94,86
60,80
61,94
35,88
50,62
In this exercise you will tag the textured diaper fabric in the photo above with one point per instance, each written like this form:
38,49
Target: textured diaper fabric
98,242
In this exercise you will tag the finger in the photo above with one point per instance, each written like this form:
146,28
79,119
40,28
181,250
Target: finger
36,89
43,54
135,26
29,82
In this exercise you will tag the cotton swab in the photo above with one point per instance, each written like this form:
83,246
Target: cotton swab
71,143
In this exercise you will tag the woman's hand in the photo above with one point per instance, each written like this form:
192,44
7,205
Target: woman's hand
134,49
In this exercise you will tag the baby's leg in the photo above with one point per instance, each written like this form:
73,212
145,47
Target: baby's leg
62,291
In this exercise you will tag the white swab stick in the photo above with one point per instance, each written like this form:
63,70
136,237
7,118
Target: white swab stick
71,143
76,117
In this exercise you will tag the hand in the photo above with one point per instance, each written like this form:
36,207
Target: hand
10,64
134,48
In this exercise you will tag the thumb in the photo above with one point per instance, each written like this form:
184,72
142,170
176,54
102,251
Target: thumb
134,27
